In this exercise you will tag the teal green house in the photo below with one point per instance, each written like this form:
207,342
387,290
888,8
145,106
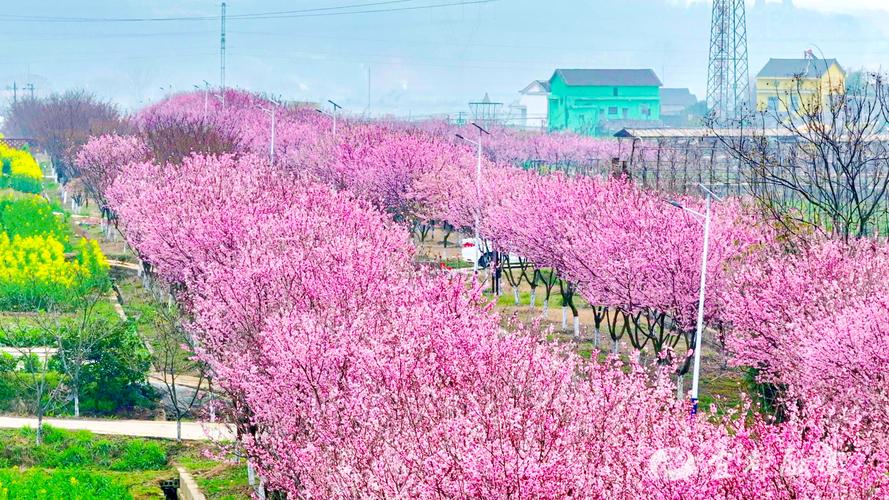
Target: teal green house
600,101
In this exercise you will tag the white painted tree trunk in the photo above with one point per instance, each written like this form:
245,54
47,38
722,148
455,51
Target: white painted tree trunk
533,300
577,327
39,437
564,318
76,404
260,489
597,338
680,386
251,473
545,306
515,295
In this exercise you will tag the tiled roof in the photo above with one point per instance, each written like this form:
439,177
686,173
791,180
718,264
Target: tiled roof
788,68
608,77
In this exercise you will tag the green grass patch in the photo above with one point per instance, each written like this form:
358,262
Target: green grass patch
128,467
218,481
63,449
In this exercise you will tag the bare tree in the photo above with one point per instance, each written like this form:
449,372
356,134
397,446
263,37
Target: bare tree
173,356
43,389
816,158
61,123
172,137
78,339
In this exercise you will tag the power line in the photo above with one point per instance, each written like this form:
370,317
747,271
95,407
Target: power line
60,19
342,10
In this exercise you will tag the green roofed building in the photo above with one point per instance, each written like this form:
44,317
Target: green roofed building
600,101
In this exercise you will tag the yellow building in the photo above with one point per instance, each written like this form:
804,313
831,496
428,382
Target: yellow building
798,84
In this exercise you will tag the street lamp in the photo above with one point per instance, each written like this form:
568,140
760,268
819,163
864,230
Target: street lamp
335,107
221,99
271,111
478,185
699,333
206,88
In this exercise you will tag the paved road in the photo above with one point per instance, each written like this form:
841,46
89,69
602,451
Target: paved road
191,431
41,352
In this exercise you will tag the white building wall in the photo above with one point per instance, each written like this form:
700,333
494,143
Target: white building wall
535,110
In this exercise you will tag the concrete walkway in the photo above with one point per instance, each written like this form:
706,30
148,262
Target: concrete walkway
191,431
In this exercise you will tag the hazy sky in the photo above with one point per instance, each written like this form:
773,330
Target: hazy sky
421,60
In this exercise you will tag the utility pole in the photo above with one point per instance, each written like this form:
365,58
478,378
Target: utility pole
15,93
30,87
478,189
222,56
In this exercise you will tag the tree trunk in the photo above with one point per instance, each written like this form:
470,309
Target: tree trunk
565,318
577,327
260,489
39,427
251,473
680,386
77,403
515,295
533,300
178,428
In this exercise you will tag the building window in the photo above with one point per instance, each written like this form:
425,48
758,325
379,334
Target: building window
773,104
626,113
614,91
645,109
612,110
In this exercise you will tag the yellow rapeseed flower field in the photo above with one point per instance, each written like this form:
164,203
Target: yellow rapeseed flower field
20,163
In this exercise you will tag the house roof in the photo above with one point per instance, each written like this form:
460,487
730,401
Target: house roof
788,68
677,97
608,77
544,84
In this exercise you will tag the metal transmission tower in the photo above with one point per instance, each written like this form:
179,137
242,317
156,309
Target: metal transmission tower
728,77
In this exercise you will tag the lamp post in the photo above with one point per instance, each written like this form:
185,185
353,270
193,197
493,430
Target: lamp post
206,96
271,111
206,88
699,332
478,185
335,107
